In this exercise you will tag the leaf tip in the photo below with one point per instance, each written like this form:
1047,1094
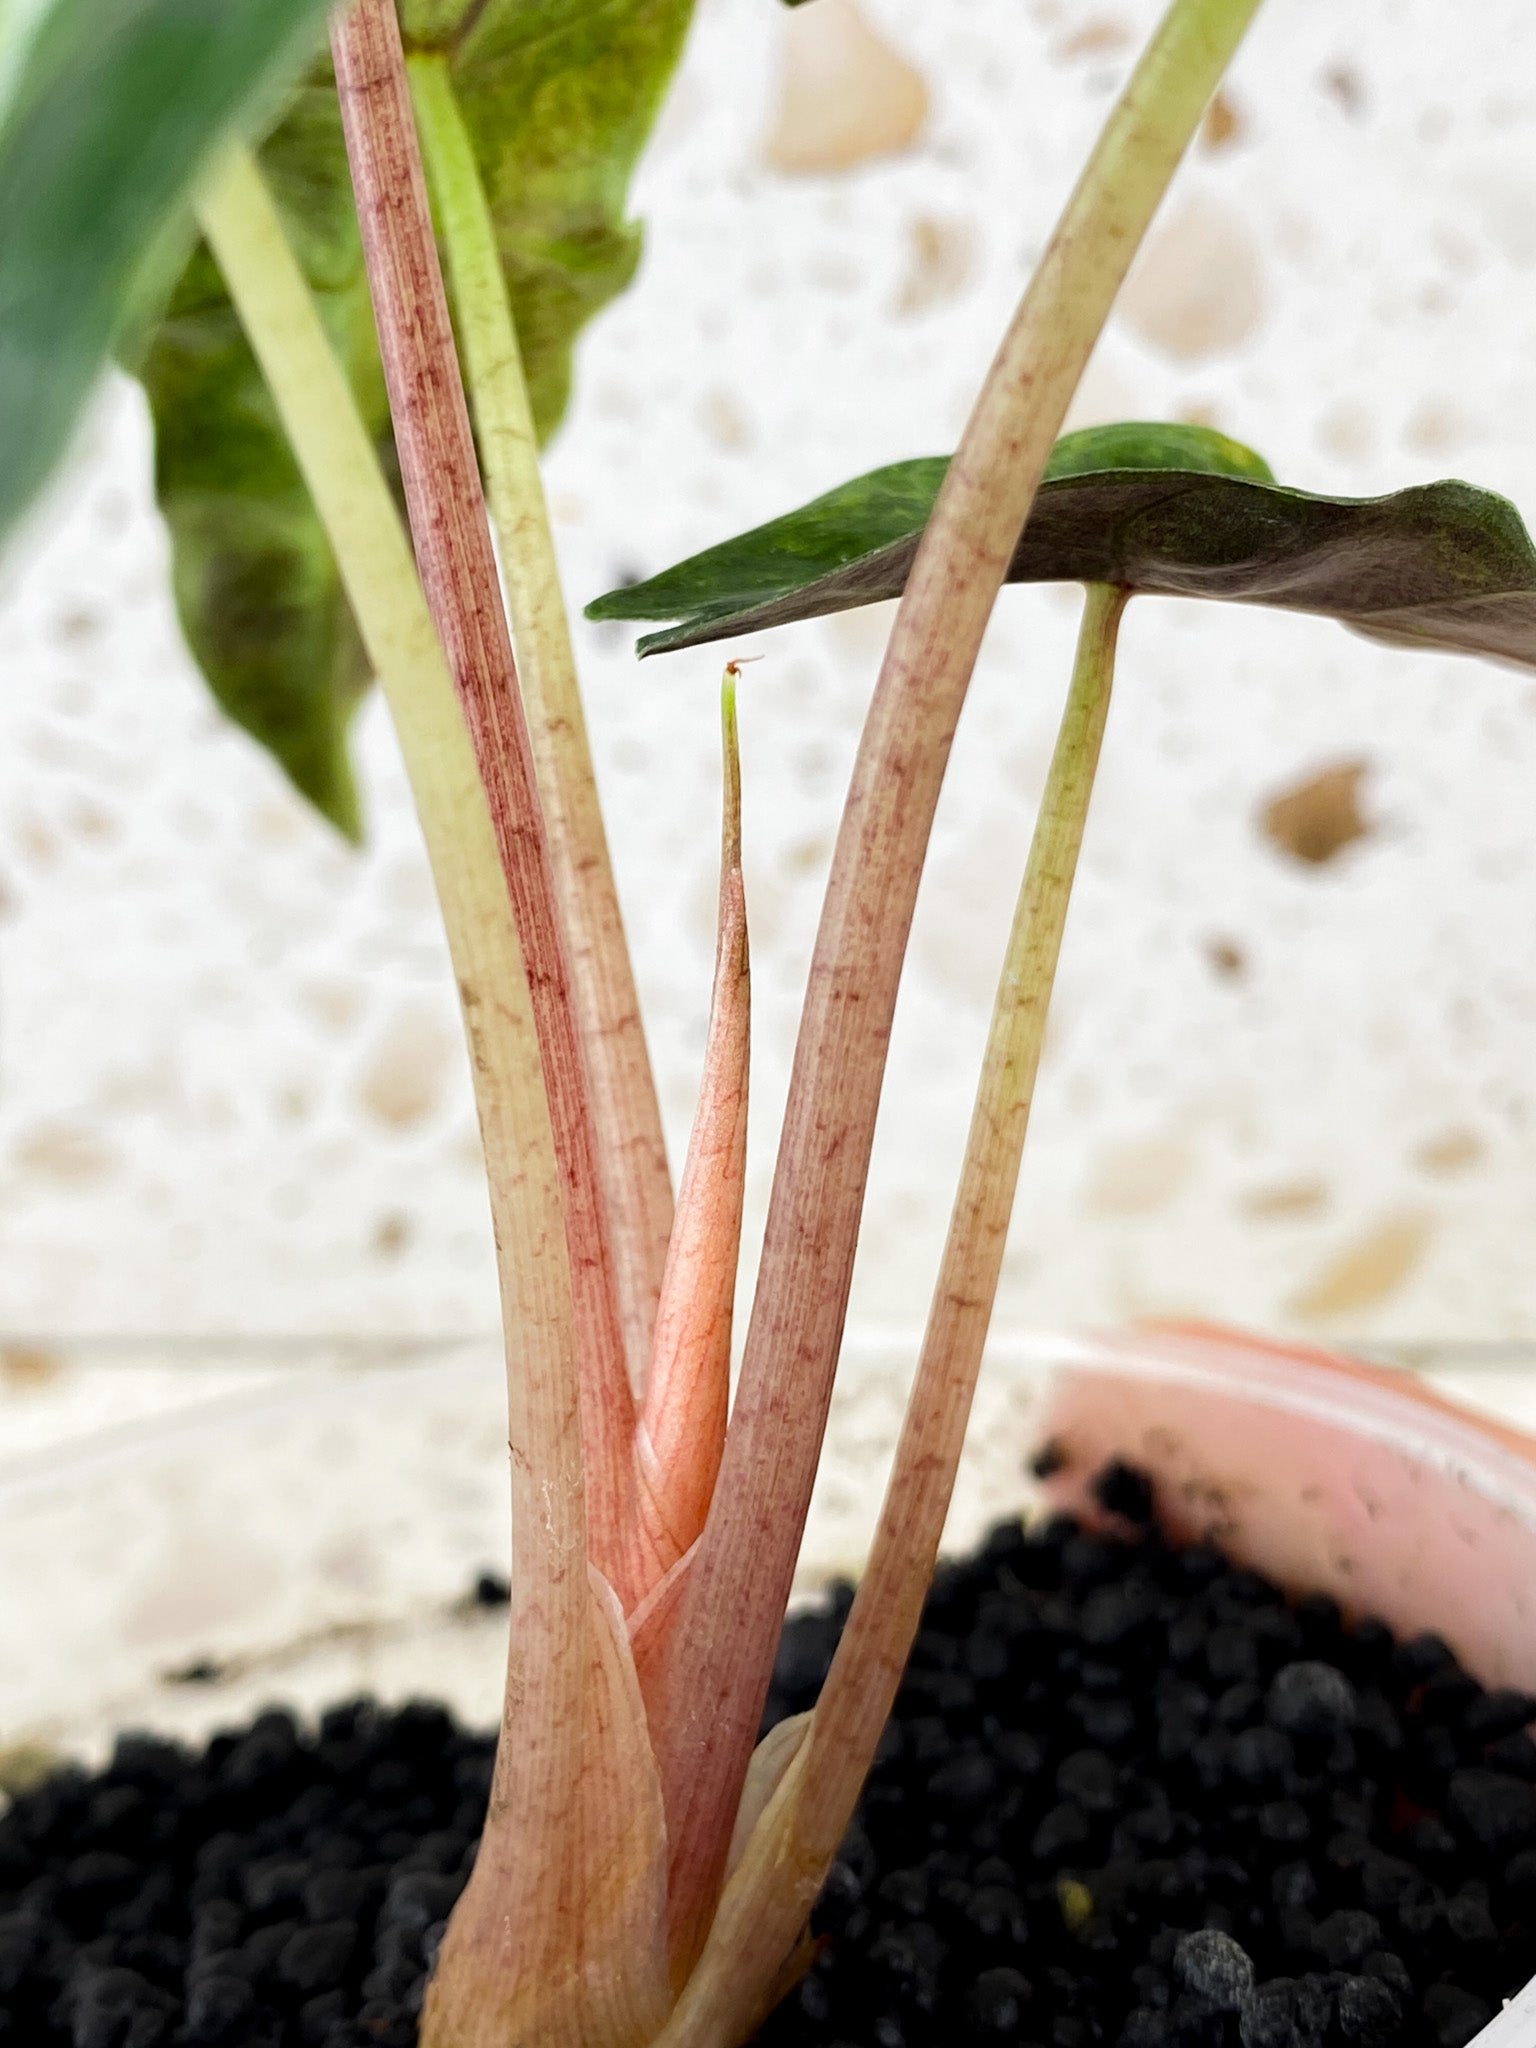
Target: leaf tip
334,795
611,605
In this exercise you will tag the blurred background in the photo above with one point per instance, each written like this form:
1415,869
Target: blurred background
1289,1079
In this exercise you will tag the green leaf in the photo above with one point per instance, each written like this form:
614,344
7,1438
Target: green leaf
559,96
1154,444
108,111
1172,510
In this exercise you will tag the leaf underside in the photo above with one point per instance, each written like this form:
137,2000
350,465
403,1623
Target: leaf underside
559,96
1171,511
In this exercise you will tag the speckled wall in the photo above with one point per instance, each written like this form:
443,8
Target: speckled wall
1290,1070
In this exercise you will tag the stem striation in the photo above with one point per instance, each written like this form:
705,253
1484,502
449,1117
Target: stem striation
737,1590
768,1899
458,569
631,1151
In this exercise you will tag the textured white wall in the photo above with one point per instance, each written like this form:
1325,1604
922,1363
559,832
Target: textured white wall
231,1092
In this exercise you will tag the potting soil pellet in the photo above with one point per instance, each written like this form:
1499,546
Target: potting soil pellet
1131,1797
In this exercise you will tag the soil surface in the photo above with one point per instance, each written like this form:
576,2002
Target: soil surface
1130,1797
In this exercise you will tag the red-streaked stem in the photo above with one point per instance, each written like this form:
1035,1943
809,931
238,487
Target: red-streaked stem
631,1150
458,569
735,1598
682,1423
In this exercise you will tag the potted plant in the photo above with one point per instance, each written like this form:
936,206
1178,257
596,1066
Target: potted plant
647,1866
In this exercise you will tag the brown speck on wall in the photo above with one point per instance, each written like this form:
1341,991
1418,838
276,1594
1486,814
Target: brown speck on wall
27,1367
402,1084
1223,124
64,1153
941,259
1101,37
1196,290
1449,1151
1285,1199
845,94
391,1234
1368,1271
1343,84
1316,818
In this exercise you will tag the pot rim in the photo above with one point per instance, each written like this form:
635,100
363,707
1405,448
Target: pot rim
1397,1408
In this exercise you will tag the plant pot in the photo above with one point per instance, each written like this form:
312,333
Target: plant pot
305,1545
1328,1476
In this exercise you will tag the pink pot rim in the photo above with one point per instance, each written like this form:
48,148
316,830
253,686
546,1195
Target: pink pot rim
1396,1381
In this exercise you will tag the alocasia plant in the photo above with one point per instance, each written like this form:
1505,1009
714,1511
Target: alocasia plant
635,1818
646,1870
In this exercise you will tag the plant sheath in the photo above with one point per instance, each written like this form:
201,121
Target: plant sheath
631,1151
682,1423
769,1897
458,569
737,1590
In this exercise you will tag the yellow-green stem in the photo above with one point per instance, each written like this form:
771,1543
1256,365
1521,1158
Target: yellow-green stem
745,1564
550,1615
768,1899
861,1686
632,1158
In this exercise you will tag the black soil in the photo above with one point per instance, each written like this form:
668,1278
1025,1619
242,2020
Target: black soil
1130,1797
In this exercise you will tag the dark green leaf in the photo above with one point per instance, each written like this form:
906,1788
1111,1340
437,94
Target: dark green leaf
108,110
1172,510
558,96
